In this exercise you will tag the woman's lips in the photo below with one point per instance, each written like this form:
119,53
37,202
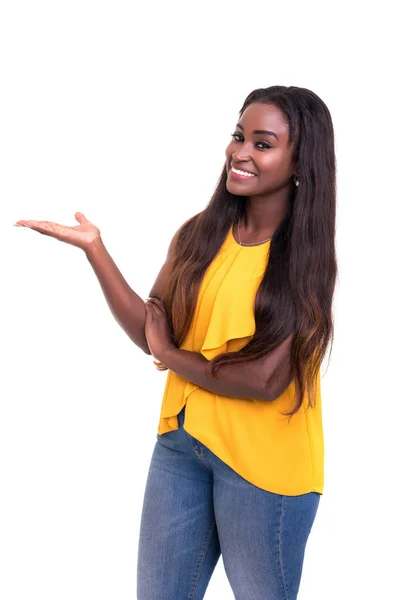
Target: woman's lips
239,176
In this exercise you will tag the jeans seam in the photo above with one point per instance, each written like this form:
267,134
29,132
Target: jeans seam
204,460
198,454
201,563
282,573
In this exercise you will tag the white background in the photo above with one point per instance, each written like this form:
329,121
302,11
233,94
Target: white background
123,111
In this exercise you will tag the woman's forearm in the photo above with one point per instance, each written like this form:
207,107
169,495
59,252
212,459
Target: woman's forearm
126,306
245,381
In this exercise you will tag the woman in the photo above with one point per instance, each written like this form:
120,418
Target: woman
241,315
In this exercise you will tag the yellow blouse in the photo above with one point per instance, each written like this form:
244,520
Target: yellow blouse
251,436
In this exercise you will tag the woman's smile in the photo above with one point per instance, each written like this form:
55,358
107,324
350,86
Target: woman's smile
239,174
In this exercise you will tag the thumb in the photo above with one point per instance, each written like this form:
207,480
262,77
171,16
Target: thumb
80,217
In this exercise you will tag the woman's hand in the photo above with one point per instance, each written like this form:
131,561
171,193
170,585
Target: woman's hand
157,330
82,235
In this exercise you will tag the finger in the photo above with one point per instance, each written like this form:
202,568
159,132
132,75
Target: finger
158,303
156,300
80,217
24,223
47,226
156,309
29,224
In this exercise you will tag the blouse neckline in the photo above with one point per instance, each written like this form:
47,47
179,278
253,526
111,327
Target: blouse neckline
245,247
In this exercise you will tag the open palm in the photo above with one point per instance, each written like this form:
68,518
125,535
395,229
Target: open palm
81,235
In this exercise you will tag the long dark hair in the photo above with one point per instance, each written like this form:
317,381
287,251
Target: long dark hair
296,292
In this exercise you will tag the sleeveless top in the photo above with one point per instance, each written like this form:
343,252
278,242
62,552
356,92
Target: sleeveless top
251,436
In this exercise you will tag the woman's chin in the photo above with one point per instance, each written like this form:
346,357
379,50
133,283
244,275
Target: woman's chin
236,190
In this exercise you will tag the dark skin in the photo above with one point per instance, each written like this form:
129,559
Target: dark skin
268,157
271,160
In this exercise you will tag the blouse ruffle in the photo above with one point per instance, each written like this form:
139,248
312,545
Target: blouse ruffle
227,318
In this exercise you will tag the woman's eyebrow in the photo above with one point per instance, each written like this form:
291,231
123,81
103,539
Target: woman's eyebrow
262,131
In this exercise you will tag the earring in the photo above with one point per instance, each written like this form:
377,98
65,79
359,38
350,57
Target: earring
296,180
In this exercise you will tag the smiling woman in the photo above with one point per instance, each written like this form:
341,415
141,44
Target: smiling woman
261,165
241,316
248,301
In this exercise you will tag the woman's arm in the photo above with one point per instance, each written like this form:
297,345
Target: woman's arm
262,379
126,306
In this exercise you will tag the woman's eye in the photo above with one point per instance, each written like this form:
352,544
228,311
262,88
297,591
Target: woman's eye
235,136
266,145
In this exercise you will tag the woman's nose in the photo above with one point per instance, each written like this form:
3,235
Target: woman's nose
242,153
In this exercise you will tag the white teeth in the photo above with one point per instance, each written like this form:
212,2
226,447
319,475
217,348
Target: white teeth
242,172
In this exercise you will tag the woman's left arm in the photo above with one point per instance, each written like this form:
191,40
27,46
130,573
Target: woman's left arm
265,378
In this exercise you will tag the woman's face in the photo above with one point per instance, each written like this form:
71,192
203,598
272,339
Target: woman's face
260,146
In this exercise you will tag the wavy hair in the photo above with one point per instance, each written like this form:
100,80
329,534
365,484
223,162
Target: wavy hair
296,292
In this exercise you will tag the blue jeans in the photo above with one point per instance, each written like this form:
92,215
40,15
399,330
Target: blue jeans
196,507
